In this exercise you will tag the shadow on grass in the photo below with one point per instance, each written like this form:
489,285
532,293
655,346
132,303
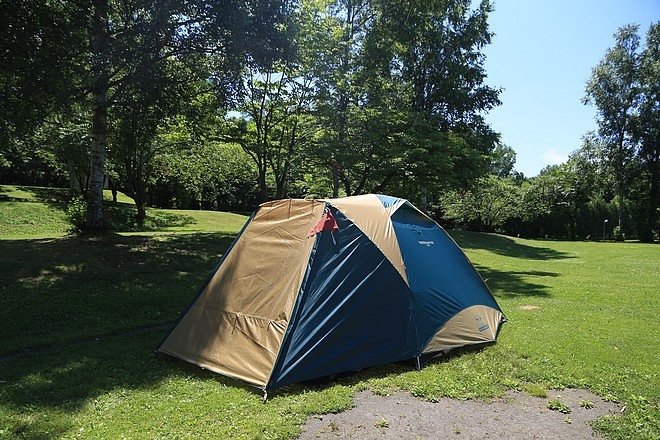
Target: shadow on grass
53,290
54,197
356,378
515,283
123,217
505,246
95,308
65,381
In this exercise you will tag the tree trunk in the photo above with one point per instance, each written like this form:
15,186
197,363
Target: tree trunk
113,189
335,184
141,205
73,182
263,187
99,43
620,210
280,189
95,192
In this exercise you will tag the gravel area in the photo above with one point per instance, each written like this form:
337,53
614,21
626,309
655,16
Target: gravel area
517,415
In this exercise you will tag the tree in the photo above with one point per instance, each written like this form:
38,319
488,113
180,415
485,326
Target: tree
126,40
400,94
41,54
275,99
201,174
646,133
486,206
624,89
438,51
502,160
614,88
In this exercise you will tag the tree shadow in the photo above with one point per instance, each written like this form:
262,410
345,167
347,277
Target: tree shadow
54,197
82,316
68,379
356,378
505,246
54,290
507,284
123,217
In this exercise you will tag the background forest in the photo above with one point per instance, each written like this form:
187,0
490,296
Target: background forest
224,104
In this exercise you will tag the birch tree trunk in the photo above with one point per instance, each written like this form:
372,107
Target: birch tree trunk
99,45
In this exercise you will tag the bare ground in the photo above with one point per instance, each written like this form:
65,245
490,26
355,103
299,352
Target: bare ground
515,416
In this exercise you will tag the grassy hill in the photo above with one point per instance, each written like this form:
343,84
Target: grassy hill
80,318
36,212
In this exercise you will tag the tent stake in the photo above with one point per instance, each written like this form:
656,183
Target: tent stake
265,395
418,365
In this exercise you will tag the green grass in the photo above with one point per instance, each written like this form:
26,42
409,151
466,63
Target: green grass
36,212
580,315
32,212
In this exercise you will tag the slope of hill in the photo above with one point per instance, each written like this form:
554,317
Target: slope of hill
38,212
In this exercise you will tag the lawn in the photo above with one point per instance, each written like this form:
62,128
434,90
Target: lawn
37,212
82,316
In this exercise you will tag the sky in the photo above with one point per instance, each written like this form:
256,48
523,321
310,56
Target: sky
542,55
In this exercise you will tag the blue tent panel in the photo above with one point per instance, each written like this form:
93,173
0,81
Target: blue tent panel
387,201
353,313
442,280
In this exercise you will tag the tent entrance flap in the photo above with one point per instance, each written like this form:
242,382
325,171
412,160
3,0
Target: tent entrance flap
354,311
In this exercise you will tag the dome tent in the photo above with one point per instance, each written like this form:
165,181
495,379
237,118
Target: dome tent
312,288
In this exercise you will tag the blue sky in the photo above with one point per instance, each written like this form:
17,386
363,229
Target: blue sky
542,54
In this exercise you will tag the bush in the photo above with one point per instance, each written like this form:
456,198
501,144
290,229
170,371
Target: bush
76,213
617,234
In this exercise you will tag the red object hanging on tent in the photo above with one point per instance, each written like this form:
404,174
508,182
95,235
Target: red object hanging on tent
327,223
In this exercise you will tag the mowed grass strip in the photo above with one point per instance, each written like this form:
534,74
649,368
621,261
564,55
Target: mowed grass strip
580,315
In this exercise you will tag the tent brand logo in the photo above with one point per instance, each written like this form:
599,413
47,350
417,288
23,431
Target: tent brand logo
426,243
483,326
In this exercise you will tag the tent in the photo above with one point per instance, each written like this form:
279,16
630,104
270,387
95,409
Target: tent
312,288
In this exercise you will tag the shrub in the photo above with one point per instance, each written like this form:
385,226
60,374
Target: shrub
76,213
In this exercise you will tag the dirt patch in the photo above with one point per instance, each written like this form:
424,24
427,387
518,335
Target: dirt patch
529,307
515,416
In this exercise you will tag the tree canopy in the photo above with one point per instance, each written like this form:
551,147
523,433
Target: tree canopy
223,104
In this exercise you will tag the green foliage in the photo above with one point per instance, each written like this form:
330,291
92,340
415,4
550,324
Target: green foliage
536,390
624,89
76,213
617,234
130,63
502,160
486,206
556,405
41,54
382,423
396,89
587,404
207,175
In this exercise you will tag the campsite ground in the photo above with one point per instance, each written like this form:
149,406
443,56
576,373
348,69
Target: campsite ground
80,317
